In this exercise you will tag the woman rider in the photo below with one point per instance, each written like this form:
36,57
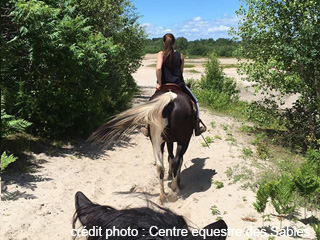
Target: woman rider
169,69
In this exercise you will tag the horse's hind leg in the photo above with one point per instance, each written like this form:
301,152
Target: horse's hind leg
170,158
158,147
177,163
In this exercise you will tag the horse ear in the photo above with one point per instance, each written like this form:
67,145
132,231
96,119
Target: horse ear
81,200
218,235
83,207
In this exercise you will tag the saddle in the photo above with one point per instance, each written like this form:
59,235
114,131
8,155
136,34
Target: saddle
175,87
170,86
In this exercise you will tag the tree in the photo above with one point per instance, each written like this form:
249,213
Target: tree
181,44
281,39
66,66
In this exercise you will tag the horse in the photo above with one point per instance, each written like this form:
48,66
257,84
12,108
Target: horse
105,222
171,118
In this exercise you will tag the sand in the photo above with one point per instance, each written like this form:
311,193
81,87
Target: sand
39,204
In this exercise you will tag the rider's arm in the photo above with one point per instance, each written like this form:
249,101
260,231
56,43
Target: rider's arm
182,63
158,68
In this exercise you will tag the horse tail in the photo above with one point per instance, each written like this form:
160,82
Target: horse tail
126,122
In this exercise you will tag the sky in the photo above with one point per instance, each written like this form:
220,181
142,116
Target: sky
192,19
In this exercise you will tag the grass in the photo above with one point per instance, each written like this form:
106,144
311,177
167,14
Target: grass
152,65
193,71
219,184
241,174
229,65
189,66
214,210
247,152
209,140
218,137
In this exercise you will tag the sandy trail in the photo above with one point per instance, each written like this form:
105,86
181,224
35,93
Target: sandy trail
39,204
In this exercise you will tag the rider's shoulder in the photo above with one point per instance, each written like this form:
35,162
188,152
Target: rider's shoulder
160,53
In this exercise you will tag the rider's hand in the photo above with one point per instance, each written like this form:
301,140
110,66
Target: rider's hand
158,86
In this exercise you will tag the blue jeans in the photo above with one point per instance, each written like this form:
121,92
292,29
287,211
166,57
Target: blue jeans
192,96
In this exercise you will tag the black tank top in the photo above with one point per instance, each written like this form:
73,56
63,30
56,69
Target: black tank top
174,75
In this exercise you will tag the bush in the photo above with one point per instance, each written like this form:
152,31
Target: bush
67,65
215,89
303,121
9,124
6,160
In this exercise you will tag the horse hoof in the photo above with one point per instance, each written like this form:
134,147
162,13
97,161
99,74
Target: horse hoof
170,177
162,199
172,197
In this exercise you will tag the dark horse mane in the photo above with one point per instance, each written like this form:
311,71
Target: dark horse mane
94,215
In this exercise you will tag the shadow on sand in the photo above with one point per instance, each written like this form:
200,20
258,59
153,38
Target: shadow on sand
195,178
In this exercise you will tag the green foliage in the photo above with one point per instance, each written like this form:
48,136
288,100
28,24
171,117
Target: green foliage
6,160
214,210
316,228
265,114
262,196
313,157
209,140
215,89
281,40
306,180
203,47
9,124
219,184
181,44
247,152
66,65
281,193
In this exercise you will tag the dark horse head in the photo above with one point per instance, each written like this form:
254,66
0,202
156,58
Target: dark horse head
104,222
170,117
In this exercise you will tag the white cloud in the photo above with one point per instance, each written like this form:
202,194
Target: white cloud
197,19
195,28
220,28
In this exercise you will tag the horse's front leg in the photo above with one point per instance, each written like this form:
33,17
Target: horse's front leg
158,147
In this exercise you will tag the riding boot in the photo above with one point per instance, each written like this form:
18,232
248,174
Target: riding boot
198,130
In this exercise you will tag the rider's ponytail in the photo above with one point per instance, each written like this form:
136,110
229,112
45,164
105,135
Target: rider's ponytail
168,51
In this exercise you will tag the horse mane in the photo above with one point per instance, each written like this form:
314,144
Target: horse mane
136,218
143,220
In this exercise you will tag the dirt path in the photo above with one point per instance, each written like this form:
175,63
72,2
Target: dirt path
39,204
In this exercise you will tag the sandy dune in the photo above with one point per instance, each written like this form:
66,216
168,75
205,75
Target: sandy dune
39,204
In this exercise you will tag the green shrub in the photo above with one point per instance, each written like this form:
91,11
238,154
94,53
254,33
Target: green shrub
219,184
9,124
316,228
215,89
6,160
67,65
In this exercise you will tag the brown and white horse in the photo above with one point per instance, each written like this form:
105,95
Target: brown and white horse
170,117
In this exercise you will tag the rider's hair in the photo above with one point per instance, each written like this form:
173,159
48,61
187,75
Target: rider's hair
168,51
